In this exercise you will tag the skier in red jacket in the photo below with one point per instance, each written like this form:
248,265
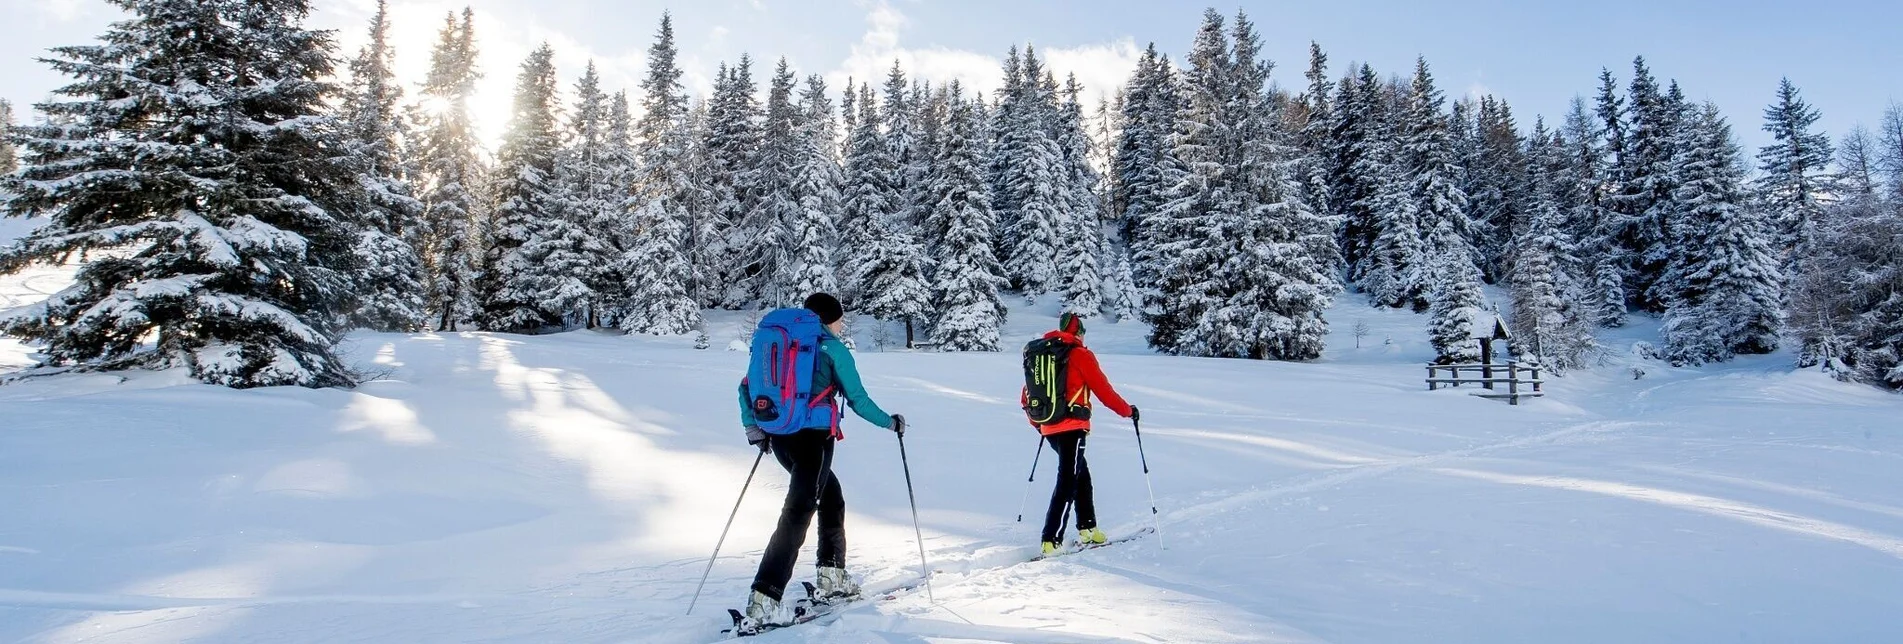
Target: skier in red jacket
1083,378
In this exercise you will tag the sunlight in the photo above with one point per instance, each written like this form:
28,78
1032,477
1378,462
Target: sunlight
393,419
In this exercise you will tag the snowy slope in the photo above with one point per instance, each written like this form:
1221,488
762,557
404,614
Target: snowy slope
570,487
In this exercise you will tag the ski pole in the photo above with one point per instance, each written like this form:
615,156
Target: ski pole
723,532
925,570
1027,482
1156,522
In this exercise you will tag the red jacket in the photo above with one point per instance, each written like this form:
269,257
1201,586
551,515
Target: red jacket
1083,378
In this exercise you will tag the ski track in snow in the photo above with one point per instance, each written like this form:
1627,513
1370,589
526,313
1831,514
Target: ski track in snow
569,487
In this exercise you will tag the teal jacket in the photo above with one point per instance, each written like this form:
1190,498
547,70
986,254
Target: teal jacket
835,368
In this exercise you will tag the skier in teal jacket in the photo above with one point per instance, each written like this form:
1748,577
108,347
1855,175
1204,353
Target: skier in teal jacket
808,455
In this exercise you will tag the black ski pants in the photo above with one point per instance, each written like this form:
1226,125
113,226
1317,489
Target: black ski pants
1073,485
808,456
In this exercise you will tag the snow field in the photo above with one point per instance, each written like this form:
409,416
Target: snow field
570,487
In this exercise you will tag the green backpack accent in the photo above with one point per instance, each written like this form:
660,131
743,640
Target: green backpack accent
1046,362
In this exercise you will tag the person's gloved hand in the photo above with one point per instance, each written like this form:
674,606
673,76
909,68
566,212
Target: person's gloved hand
1136,415
898,424
757,438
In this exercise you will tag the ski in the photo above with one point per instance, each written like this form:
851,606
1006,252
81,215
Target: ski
811,609
1093,546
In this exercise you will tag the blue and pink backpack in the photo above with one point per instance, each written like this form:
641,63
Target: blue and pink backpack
780,373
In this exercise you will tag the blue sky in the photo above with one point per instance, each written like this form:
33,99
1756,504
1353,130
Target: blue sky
1842,54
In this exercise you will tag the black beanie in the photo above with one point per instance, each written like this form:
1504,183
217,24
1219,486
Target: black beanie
826,306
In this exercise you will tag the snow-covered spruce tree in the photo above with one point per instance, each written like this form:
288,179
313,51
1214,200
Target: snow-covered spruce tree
591,202
1796,167
812,233
969,311
658,262
1361,179
1313,132
1148,118
1433,172
1178,247
1080,237
1122,300
389,284
618,166
1458,305
9,157
1033,177
1586,185
1272,287
449,175
1498,202
903,142
869,199
1723,284
1549,328
1647,183
519,290
732,147
761,238
193,143
895,287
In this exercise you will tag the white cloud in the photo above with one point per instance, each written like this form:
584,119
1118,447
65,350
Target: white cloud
1100,67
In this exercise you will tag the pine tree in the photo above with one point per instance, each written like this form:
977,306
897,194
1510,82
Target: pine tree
1434,173
732,147
1033,178
389,287
1584,186
1645,203
591,202
968,278
658,261
216,172
1363,183
519,292
1499,174
1138,166
1122,299
870,199
1795,169
1549,327
1723,283
1178,250
450,173
1080,236
1273,285
811,233
1458,304
762,237
619,165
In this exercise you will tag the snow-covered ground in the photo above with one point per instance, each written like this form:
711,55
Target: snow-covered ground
569,488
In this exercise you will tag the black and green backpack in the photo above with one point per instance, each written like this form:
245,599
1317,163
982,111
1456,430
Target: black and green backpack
1046,361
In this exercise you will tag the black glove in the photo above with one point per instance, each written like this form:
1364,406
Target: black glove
898,424
757,438
1136,415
